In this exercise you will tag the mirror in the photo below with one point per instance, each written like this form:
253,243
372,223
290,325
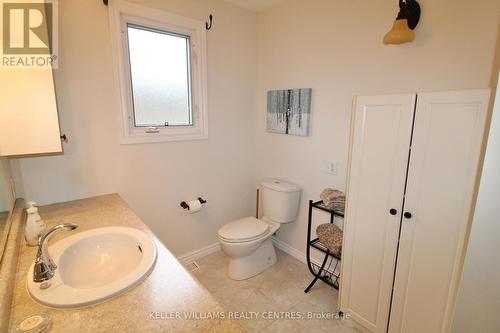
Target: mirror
6,203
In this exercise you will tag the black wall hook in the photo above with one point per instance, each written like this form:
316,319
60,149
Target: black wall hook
207,26
410,10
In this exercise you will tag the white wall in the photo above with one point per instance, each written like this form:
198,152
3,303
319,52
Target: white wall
6,195
335,47
154,178
479,299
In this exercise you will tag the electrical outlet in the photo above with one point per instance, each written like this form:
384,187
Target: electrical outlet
331,168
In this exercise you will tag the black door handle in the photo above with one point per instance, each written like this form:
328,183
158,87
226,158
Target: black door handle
393,211
407,215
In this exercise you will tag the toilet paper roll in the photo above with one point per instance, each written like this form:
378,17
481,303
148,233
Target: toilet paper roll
194,206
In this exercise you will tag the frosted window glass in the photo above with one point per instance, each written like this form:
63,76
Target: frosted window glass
160,72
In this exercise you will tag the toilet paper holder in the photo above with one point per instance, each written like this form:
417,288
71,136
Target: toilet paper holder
186,206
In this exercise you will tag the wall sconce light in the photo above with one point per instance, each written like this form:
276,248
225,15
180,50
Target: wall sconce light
407,20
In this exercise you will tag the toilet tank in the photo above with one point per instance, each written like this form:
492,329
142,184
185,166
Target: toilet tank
280,200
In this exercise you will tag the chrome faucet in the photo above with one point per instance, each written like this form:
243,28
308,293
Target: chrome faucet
45,267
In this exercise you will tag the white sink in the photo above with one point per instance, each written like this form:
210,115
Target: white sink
95,265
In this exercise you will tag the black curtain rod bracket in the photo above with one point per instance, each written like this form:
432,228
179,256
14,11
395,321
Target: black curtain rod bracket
208,26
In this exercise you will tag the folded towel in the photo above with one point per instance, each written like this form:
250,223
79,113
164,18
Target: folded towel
330,236
333,198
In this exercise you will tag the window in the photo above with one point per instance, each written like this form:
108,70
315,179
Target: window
161,75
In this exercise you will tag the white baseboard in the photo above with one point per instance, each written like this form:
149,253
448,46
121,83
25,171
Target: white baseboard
200,253
300,256
205,251
215,247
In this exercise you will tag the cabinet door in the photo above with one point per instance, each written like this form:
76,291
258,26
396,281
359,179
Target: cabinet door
380,141
29,122
446,145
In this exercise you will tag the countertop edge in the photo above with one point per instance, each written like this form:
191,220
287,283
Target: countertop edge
134,306
8,265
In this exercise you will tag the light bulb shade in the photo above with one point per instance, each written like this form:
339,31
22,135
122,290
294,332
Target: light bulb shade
400,33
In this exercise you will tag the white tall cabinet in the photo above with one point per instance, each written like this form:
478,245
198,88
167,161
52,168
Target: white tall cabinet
413,166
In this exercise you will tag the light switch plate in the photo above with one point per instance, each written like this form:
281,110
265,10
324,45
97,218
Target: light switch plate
331,168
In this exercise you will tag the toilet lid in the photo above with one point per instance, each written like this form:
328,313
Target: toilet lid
248,228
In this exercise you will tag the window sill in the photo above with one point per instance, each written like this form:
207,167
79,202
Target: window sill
162,137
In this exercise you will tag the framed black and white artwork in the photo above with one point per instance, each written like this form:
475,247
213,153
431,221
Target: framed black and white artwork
289,111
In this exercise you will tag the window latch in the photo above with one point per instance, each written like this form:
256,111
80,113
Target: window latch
152,129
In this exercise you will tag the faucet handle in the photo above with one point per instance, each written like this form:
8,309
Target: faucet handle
44,265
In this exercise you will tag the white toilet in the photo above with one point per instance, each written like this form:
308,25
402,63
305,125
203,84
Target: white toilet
248,242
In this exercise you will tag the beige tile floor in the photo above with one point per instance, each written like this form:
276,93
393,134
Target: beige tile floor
278,289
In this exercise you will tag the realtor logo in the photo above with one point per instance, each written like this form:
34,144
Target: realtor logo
29,33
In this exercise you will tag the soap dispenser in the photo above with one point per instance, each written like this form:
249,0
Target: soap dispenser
34,226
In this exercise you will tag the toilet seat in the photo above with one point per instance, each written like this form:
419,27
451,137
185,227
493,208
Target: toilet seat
243,230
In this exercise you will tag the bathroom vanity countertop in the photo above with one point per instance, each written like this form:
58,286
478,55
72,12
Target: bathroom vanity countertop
150,307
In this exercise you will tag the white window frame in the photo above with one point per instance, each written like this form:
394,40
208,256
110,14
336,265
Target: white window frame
121,13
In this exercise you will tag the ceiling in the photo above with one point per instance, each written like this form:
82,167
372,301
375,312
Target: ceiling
255,5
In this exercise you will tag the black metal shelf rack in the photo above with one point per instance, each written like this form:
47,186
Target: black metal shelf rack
323,272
